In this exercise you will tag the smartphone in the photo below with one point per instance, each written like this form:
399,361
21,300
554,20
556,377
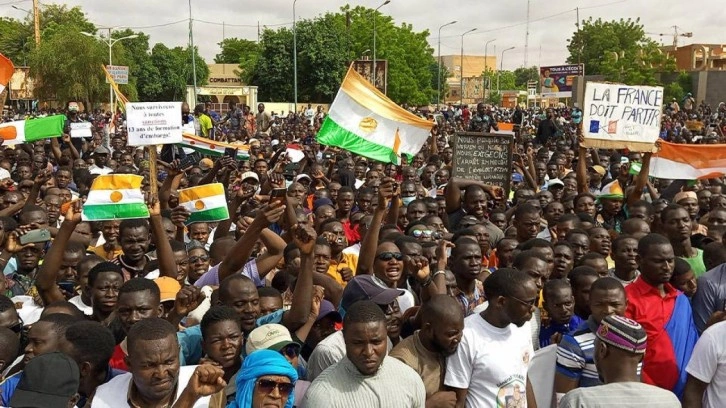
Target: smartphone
230,152
68,286
278,195
327,155
35,236
189,161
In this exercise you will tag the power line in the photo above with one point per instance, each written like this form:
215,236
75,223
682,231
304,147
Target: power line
13,2
242,25
186,20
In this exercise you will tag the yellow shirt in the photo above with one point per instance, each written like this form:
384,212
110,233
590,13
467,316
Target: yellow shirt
348,260
109,256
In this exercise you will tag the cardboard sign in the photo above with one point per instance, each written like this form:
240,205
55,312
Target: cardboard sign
153,123
81,129
484,156
618,116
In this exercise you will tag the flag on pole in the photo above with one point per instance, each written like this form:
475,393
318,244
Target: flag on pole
213,148
23,131
688,161
206,203
364,121
6,72
115,197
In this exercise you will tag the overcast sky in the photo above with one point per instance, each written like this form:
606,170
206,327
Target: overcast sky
552,21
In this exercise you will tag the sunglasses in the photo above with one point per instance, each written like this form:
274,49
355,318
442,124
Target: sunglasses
422,233
290,351
387,256
194,259
267,386
17,327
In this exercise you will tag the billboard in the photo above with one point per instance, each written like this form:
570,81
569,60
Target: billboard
365,69
556,81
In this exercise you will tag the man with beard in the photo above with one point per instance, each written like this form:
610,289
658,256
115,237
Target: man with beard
426,350
496,375
155,377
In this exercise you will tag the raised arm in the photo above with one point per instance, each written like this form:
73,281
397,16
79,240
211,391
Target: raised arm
302,297
167,263
641,180
370,241
275,247
48,272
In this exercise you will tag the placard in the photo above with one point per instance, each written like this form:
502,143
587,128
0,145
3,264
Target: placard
556,81
484,156
81,129
618,116
119,74
153,123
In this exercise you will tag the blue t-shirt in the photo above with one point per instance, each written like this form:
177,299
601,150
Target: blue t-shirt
7,388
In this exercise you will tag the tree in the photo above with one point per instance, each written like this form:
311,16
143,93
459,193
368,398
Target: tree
619,50
170,72
16,40
502,80
523,75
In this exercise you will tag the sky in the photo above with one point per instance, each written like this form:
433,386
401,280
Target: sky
552,22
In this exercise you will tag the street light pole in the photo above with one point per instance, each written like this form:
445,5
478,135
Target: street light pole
501,65
110,42
375,18
461,68
486,62
438,87
294,50
194,52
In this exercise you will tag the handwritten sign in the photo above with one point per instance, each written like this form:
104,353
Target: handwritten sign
81,129
484,156
618,116
153,123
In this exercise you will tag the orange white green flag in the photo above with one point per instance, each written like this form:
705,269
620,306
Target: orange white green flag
364,121
205,203
6,72
688,161
24,131
115,197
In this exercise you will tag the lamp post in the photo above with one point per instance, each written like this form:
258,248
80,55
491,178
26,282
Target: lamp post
108,40
461,68
194,52
486,62
36,20
375,18
501,65
438,87
294,50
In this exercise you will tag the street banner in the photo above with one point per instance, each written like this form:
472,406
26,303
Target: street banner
556,81
153,123
617,116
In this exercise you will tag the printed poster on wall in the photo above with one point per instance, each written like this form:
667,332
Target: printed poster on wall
556,81
618,116
153,123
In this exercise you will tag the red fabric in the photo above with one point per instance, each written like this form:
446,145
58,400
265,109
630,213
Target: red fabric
117,359
647,307
350,233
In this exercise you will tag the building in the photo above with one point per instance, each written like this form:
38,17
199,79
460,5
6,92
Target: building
472,67
224,86
698,57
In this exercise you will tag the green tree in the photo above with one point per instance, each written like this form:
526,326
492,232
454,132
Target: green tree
523,75
502,80
16,40
170,72
619,50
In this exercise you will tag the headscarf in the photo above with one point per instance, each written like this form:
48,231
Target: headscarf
260,363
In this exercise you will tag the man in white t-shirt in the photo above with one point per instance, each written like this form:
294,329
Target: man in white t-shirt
489,368
706,385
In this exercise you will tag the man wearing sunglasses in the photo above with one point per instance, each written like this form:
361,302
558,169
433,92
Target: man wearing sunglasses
481,376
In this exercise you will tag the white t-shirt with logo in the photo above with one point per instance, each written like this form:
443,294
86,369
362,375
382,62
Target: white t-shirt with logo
492,363
708,364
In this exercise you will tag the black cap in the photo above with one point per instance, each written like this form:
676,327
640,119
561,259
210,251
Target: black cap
48,381
368,287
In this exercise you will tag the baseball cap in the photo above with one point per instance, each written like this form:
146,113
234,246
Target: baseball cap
101,150
254,141
250,174
555,182
368,287
623,333
321,202
598,169
48,381
269,337
206,164
327,309
168,287
302,176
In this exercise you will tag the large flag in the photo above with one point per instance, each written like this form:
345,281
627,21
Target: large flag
115,197
211,147
364,121
688,162
23,131
206,203
6,72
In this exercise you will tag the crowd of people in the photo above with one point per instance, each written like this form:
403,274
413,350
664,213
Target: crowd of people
366,284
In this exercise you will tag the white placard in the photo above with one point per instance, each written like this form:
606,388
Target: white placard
119,73
618,116
153,123
81,129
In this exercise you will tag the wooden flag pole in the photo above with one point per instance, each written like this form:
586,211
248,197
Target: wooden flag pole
153,174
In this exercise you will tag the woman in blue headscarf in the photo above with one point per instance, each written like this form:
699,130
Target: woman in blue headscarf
266,378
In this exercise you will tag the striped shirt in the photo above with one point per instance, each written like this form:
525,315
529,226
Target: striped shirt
343,386
574,355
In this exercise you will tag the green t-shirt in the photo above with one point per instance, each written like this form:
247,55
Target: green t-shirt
696,262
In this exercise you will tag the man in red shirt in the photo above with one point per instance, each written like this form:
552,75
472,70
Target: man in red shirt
664,312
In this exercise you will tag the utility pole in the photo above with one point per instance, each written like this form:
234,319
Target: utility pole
194,54
526,37
438,93
36,22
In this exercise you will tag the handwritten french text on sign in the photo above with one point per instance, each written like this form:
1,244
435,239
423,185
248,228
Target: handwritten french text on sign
620,116
153,123
119,73
81,129
485,157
